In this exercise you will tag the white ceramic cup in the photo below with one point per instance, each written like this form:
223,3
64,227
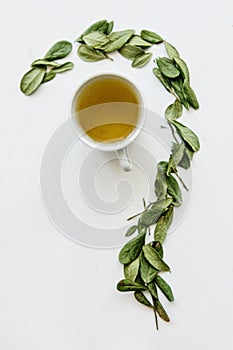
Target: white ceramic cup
120,147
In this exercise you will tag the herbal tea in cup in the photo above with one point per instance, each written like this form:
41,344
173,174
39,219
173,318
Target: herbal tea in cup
107,113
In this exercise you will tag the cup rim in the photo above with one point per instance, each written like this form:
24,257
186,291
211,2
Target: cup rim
108,146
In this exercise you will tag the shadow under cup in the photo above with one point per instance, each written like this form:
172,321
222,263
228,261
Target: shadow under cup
108,112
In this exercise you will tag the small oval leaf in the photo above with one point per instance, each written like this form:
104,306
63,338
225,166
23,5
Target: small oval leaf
130,52
152,37
142,60
59,50
167,67
171,50
32,80
129,286
154,258
89,54
142,299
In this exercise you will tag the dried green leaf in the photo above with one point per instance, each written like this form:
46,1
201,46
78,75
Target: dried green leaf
177,85
131,230
95,39
167,67
183,68
160,181
142,60
100,26
161,205
160,231
164,80
42,62
49,76
168,216
63,67
158,247
153,290
142,299
132,249
32,80
131,270
161,311
175,158
147,271
59,50
174,191
129,286
89,54
190,95
164,287
171,50
130,52
154,258
185,161
174,110
151,37
118,39
137,40
188,136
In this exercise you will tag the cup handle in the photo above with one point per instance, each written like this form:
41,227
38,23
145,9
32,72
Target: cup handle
124,160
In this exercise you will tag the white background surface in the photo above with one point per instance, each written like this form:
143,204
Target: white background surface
55,294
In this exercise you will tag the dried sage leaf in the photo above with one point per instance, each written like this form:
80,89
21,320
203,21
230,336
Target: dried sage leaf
131,230
174,191
177,85
147,271
42,62
151,216
100,26
59,50
161,205
32,80
129,286
164,287
160,181
167,67
183,68
188,136
118,39
161,311
185,161
142,60
154,258
131,52
158,247
151,37
49,76
63,67
171,50
95,39
190,95
89,54
132,249
175,159
153,290
174,111
160,231
137,40
131,270
162,79
142,299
